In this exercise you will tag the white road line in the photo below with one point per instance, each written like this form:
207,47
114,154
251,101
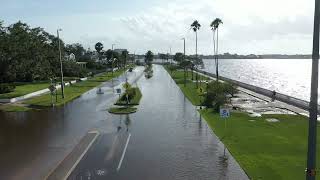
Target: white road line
84,152
124,152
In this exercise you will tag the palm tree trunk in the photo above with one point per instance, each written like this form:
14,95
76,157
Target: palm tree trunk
214,50
197,56
217,58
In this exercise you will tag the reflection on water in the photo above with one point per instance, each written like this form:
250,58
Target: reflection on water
288,76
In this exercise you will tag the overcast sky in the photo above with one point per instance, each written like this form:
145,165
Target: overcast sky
249,26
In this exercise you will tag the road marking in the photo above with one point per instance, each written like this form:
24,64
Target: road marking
124,152
84,152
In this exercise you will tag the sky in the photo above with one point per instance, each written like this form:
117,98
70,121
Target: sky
249,26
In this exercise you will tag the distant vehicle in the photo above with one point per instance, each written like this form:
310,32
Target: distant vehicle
130,70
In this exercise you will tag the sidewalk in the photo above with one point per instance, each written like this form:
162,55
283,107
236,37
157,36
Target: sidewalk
268,100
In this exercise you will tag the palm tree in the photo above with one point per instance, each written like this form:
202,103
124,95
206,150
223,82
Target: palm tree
99,47
214,27
195,26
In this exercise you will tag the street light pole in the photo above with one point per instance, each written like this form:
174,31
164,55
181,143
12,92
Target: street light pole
313,109
184,58
60,56
170,55
112,58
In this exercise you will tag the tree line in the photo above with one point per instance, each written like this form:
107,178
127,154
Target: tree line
30,54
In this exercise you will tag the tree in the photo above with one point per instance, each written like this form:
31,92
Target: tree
195,26
214,27
185,64
148,57
108,54
178,57
99,47
163,57
217,94
124,57
77,49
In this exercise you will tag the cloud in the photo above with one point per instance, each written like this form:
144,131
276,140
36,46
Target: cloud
250,26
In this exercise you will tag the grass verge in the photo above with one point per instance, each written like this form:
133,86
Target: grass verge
265,150
73,91
12,108
122,110
190,89
26,88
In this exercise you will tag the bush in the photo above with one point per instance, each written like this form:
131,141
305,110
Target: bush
217,94
230,88
6,88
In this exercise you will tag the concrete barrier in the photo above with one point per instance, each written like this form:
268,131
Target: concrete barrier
279,96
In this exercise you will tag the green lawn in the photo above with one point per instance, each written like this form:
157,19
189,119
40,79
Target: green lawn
190,90
122,110
12,108
133,102
74,91
265,150
25,88
179,75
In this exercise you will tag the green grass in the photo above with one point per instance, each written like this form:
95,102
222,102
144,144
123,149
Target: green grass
23,89
12,108
265,150
122,110
134,101
190,90
180,75
26,88
74,91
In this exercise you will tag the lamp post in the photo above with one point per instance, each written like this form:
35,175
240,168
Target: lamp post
313,109
60,57
112,58
184,58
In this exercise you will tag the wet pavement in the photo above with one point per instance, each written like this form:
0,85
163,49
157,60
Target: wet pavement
165,139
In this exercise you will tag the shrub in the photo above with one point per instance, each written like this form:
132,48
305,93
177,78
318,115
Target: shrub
6,88
217,94
230,88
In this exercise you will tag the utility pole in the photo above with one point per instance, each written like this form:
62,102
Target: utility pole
112,58
313,109
62,83
184,58
170,55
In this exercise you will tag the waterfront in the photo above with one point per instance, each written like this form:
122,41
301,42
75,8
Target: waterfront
287,76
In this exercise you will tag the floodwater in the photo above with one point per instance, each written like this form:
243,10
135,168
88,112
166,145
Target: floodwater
168,138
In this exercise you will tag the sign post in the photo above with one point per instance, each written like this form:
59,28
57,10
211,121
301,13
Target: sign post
118,91
224,114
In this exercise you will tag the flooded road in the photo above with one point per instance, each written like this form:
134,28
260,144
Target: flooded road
165,139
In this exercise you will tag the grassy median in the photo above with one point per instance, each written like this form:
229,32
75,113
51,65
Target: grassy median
135,101
127,107
122,110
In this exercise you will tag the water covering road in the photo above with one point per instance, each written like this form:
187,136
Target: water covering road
165,139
